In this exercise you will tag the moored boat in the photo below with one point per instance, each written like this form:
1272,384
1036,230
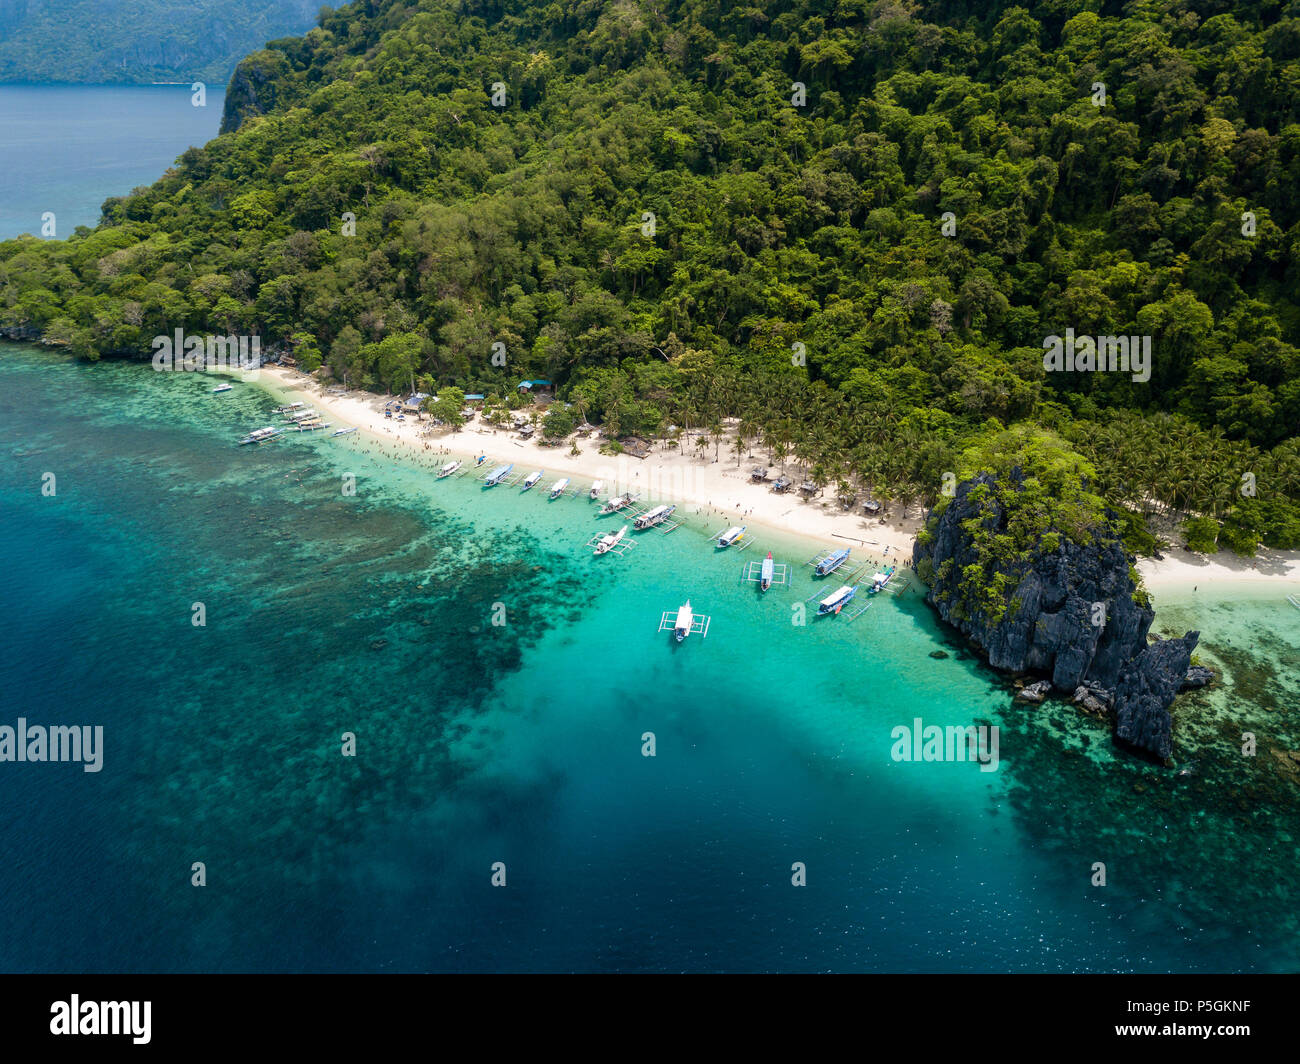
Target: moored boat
448,469
837,600
344,432
765,577
685,619
497,475
654,517
733,535
609,542
262,435
222,388
832,561
618,502
532,479
596,489
881,579
557,489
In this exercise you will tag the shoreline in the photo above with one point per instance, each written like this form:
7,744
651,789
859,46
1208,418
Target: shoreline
722,489
718,489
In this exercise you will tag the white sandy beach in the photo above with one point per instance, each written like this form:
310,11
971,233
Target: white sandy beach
703,486
723,489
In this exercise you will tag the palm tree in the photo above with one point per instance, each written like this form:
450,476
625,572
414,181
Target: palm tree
780,452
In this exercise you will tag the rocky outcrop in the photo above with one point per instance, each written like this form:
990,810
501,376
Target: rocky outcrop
1072,615
1035,692
1146,688
252,89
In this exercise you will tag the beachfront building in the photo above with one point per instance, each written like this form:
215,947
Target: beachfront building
538,388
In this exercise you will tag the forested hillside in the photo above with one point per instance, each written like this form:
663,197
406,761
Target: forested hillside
139,41
866,280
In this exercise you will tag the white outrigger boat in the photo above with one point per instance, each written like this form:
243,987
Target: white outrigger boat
733,535
557,489
262,435
497,475
685,621
879,581
765,575
222,388
653,517
837,600
301,415
344,432
596,489
448,469
532,479
609,542
618,502
289,408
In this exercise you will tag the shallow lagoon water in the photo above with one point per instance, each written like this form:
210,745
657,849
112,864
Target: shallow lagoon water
522,743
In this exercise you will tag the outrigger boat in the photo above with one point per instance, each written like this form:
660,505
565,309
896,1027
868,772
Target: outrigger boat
301,415
288,408
557,489
881,579
837,600
262,435
222,388
498,475
532,479
769,567
596,489
733,535
685,619
653,517
832,562
617,502
608,543
448,469
343,432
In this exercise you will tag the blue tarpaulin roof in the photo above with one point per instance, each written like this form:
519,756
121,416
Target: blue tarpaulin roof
536,383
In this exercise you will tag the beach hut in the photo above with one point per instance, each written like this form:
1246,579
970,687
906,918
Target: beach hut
537,387
871,506
782,485
758,474
808,488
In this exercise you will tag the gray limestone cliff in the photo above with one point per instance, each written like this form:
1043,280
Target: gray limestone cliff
1072,616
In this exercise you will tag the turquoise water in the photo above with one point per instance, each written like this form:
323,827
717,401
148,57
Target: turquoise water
373,614
67,148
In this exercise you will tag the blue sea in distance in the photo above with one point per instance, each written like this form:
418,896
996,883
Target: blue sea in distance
67,148
521,743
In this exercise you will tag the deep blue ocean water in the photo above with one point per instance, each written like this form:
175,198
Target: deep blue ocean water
67,148
521,743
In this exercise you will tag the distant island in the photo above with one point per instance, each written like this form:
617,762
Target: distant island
139,41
